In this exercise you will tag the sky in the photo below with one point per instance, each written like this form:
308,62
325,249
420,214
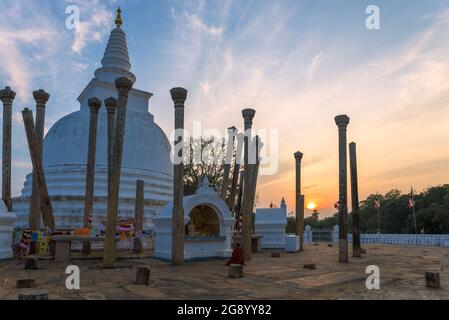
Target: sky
297,63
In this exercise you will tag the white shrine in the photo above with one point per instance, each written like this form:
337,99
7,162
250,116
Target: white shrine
270,224
146,151
208,222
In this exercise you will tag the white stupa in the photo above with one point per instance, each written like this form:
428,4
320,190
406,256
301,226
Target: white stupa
146,153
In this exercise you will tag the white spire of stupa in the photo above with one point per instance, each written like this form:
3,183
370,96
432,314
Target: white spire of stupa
115,62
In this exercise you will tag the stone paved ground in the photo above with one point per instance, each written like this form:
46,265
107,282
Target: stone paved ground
402,277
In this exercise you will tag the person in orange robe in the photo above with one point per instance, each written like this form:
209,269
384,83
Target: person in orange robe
237,255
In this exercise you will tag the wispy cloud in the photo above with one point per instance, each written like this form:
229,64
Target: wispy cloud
95,22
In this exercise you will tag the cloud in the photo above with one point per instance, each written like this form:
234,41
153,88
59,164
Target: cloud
95,22
196,23
314,66
18,34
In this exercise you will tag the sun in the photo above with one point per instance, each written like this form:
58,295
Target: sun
311,205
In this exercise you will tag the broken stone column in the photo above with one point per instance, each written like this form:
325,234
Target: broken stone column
342,122
111,106
139,214
356,252
179,96
123,86
228,160
247,206
299,202
94,106
7,97
41,98
38,168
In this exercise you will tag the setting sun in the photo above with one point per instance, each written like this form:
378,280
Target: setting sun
311,205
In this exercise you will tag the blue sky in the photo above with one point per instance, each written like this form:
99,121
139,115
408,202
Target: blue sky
298,63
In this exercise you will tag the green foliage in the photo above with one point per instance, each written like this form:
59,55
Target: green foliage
291,225
431,206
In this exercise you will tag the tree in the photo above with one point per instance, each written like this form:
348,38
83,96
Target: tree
205,158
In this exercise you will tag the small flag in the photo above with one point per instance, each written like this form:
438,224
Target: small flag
124,228
377,203
411,202
337,205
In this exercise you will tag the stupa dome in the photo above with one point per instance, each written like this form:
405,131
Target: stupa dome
146,150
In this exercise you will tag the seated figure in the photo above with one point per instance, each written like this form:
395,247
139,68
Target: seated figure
237,255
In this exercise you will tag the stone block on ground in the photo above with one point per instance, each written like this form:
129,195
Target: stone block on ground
433,280
235,271
310,266
33,295
143,275
25,283
31,263
275,254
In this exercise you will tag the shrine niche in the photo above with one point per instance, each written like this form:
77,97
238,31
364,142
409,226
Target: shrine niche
208,226
203,221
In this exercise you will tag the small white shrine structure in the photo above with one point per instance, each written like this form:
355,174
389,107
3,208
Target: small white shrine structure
208,226
270,224
7,220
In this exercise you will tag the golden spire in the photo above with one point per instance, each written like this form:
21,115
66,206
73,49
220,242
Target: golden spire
118,19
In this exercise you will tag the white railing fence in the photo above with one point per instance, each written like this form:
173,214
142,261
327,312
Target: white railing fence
434,240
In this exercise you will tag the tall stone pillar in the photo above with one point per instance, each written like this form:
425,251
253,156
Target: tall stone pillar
123,86
299,201
356,252
7,97
342,122
247,208
139,214
111,106
228,161
231,201
38,168
179,96
94,106
41,98
255,173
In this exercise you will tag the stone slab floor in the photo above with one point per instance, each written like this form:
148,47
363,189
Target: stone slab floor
402,271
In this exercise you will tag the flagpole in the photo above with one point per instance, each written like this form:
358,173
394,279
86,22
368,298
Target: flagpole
413,210
378,214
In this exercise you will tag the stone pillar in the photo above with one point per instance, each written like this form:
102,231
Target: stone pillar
227,164
7,97
41,98
299,201
238,205
123,86
139,214
255,172
179,96
231,201
38,168
342,122
356,252
94,106
111,106
247,207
